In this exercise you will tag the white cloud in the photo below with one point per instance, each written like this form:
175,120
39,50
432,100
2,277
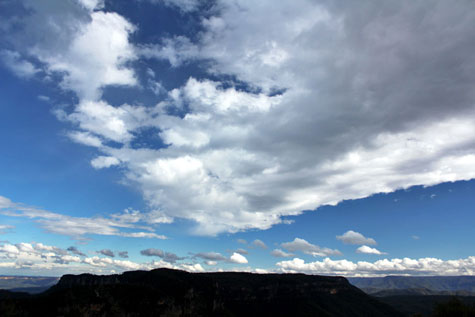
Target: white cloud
102,119
238,258
92,4
19,66
360,114
301,245
95,57
368,250
85,138
184,5
422,266
192,267
352,237
104,162
367,105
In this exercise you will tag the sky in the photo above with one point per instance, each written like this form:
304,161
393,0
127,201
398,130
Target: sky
322,137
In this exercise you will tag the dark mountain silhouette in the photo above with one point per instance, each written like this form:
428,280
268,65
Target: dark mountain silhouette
165,292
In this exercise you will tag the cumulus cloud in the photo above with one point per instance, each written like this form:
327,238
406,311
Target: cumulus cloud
242,251
78,227
210,256
95,57
368,250
338,103
85,138
352,237
75,250
278,253
19,66
165,256
123,254
40,259
422,266
301,245
238,258
104,162
92,4
259,244
107,252
336,142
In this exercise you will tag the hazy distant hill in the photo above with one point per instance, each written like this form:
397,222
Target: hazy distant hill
164,292
28,284
425,305
416,285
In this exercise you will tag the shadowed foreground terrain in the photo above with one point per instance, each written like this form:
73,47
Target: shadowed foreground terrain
165,292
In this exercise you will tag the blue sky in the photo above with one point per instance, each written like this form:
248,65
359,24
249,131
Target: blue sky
230,135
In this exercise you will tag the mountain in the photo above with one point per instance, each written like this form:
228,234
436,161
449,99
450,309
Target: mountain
164,292
28,284
416,285
426,305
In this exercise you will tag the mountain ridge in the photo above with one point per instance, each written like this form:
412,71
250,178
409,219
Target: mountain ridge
165,292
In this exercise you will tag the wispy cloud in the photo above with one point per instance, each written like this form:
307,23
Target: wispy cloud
79,227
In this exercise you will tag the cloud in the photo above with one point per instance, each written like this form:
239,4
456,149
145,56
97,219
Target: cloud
92,4
107,252
38,258
78,227
241,241
165,256
123,254
20,67
368,250
336,142
242,251
422,266
210,256
75,250
184,5
4,228
95,57
104,162
85,138
338,103
259,244
278,253
238,258
352,237
301,245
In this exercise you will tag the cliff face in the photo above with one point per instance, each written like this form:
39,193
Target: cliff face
164,292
